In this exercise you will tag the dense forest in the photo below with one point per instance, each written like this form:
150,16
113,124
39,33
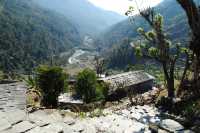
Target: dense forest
30,35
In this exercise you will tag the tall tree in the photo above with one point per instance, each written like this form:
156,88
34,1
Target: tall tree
159,47
192,11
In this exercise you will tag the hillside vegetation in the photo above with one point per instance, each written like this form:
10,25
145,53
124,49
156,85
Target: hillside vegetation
175,26
30,35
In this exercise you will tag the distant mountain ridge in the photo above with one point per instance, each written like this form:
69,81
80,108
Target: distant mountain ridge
176,27
88,18
175,22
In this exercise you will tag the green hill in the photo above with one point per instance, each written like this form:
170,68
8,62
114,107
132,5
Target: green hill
30,35
175,23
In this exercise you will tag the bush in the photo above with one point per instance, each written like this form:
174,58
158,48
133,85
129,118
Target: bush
101,91
31,82
2,75
165,103
86,85
52,82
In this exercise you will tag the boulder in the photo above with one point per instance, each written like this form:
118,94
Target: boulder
171,125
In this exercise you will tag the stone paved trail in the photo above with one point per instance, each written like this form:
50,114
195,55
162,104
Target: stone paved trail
12,96
136,119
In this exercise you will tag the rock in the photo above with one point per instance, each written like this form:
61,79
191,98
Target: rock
136,115
162,131
22,127
171,125
89,128
53,128
154,120
135,128
4,124
35,130
186,131
40,118
115,129
78,127
69,120
15,116
125,112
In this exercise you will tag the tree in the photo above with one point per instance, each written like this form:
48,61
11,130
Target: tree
51,82
99,64
192,11
86,85
159,47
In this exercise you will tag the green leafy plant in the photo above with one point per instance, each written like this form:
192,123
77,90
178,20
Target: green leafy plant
86,85
52,81
31,82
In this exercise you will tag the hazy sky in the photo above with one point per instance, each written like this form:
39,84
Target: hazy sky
121,6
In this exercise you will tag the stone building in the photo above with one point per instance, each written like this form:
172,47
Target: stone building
134,81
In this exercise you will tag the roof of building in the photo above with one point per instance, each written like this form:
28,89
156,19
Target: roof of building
127,79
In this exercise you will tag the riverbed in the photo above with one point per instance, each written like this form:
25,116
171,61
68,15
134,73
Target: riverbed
74,59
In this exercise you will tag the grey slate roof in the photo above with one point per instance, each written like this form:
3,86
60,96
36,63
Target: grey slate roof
127,79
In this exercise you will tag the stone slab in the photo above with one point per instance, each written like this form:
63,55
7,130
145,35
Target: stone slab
4,124
22,127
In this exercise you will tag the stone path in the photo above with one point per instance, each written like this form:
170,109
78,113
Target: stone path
137,119
132,120
12,96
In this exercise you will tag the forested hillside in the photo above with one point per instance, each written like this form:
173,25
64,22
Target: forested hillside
89,18
30,35
175,26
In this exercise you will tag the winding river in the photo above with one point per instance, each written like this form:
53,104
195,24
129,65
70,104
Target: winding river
74,58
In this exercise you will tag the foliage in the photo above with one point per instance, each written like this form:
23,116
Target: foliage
164,103
99,65
96,113
175,24
102,90
86,85
52,82
159,47
82,115
120,55
88,88
31,82
2,75
191,8
30,35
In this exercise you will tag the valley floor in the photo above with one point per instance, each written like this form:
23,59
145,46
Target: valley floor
115,119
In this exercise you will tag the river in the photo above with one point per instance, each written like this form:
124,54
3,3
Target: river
74,58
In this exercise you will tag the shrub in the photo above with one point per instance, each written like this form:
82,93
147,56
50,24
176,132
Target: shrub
101,91
165,103
86,85
2,75
52,82
31,82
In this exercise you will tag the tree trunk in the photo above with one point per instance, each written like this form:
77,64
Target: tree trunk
170,80
193,13
170,87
